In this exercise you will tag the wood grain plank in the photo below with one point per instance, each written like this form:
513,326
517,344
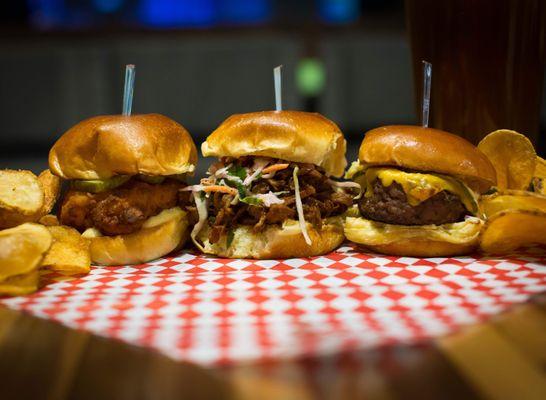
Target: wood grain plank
423,372
74,344
113,370
282,380
494,365
525,328
8,319
30,358
43,360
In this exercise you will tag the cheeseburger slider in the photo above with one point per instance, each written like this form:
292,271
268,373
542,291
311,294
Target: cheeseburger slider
420,189
271,195
125,175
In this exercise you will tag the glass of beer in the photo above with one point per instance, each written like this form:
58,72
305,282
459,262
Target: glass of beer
487,63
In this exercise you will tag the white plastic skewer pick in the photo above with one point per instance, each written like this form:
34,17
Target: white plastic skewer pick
278,87
427,76
128,89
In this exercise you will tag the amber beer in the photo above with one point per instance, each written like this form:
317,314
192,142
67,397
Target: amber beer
487,63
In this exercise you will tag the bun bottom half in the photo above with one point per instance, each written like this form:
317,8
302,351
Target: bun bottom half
159,236
423,248
285,241
415,241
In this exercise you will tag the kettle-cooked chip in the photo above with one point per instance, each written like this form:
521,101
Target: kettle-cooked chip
22,249
24,197
512,200
51,186
509,230
21,198
515,218
20,285
20,191
49,220
69,253
538,184
540,168
513,157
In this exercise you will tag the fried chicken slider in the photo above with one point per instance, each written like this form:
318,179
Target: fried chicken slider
126,174
420,190
271,194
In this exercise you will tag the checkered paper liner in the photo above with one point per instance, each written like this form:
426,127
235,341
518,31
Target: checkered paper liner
220,311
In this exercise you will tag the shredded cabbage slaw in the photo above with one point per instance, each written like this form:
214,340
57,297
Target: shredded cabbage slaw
236,181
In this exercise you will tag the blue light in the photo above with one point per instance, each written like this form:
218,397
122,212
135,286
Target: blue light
107,6
46,14
339,11
246,11
177,13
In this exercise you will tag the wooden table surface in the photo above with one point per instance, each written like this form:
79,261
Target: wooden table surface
503,359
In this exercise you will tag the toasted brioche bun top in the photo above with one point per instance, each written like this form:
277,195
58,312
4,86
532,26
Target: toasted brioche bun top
107,145
289,135
429,150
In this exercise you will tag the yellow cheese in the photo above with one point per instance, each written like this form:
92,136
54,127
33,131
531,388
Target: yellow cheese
420,187
354,170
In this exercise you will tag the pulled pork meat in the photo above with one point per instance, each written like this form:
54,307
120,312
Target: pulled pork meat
320,199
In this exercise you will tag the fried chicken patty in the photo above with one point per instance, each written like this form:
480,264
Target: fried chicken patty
119,211
389,205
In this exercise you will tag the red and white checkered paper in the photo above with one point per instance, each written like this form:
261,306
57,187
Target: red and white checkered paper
217,311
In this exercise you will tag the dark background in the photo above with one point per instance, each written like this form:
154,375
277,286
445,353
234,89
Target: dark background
199,62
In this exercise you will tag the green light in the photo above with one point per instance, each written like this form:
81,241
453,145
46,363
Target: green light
310,77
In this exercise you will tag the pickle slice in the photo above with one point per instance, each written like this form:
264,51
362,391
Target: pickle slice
100,185
152,179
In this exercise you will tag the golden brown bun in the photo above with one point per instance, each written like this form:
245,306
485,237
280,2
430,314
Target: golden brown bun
149,243
415,241
427,149
104,146
277,242
423,248
289,135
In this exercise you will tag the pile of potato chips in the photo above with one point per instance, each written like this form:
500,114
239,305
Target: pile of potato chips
31,239
516,210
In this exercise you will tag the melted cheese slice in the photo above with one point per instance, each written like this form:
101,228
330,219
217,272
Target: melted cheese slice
420,187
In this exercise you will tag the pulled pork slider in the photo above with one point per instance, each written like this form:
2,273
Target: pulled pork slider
125,175
270,195
420,189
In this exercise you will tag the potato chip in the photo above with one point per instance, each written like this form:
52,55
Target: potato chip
540,168
538,183
20,191
512,200
507,231
20,285
22,249
25,197
513,157
51,186
49,220
69,253
21,198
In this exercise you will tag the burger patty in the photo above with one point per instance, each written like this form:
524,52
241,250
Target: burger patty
122,210
389,204
318,197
